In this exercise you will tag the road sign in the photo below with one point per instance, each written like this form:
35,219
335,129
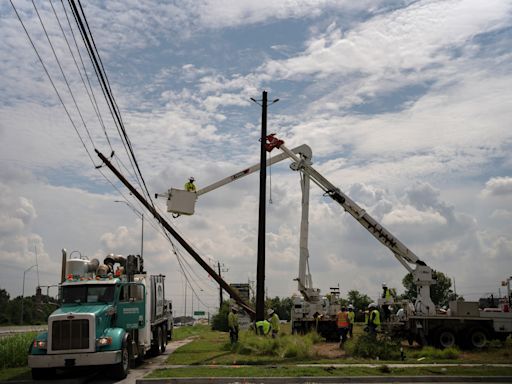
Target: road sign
199,313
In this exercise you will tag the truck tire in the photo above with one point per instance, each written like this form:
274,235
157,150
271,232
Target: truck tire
477,338
445,338
120,370
163,344
43,373
157,340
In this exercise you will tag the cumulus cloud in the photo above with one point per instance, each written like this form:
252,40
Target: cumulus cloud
498,186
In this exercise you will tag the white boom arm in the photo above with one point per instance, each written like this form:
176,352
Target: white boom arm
183,202
422,274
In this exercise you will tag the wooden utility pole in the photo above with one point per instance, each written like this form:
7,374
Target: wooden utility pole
260,269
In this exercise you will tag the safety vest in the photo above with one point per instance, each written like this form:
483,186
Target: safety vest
342,320
232,320
190,187
351,316
375,317
265,324
274,321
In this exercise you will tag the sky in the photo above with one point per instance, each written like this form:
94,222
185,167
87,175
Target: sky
405,105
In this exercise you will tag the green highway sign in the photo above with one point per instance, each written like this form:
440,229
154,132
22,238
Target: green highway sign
199,313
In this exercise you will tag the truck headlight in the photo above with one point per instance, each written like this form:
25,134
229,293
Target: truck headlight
103,341
40,344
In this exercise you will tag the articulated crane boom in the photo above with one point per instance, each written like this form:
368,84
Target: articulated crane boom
422,274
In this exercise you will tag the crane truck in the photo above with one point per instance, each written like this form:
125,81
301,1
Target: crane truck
463,325
112,314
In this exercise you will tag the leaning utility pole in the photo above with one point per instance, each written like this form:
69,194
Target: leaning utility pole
233,292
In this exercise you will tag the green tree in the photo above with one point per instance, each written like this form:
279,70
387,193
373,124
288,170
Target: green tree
282,307
440,292
359,300
4,301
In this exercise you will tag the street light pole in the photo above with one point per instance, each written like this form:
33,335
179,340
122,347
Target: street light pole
142,227
23,291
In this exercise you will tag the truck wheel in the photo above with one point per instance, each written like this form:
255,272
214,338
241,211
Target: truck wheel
445,338
155,344
477,338
163,340
120,370
43,373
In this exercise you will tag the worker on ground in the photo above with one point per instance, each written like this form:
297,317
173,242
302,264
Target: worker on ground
351,319
343,324
263,327
190,186
274,323
373,319
233,325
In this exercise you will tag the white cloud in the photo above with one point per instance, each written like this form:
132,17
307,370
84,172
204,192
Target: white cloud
498,186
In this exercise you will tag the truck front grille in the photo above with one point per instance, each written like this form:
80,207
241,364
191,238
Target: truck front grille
70,334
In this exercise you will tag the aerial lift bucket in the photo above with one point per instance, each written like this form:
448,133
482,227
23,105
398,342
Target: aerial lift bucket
181,202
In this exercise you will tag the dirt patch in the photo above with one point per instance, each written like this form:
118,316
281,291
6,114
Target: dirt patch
329,350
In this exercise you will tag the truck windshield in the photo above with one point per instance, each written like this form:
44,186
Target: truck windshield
88,294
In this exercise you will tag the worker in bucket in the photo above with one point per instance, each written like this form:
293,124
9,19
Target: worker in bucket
343,323
274,323
233,325
190,186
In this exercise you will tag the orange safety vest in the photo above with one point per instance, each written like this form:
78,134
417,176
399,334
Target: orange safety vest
342,320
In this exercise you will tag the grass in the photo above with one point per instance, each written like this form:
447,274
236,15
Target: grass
212,347
14,350
183,332
293,371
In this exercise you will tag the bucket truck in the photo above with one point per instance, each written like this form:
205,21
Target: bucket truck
463,325
310,309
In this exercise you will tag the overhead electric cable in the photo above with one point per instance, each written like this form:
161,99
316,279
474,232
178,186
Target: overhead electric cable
104,80
63,74
99,75
90,94
52,82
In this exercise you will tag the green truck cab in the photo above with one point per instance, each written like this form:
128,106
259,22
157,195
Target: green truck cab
111,314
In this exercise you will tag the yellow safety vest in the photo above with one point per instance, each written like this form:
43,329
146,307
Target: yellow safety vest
351,316
376,317
190,187
265,324
232,320
274,321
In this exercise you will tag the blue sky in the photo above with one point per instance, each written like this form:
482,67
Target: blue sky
405,104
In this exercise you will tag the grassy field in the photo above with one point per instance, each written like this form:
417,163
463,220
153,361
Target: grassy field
213,348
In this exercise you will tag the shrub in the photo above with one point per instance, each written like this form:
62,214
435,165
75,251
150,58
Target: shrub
433,353
289,346
380,347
